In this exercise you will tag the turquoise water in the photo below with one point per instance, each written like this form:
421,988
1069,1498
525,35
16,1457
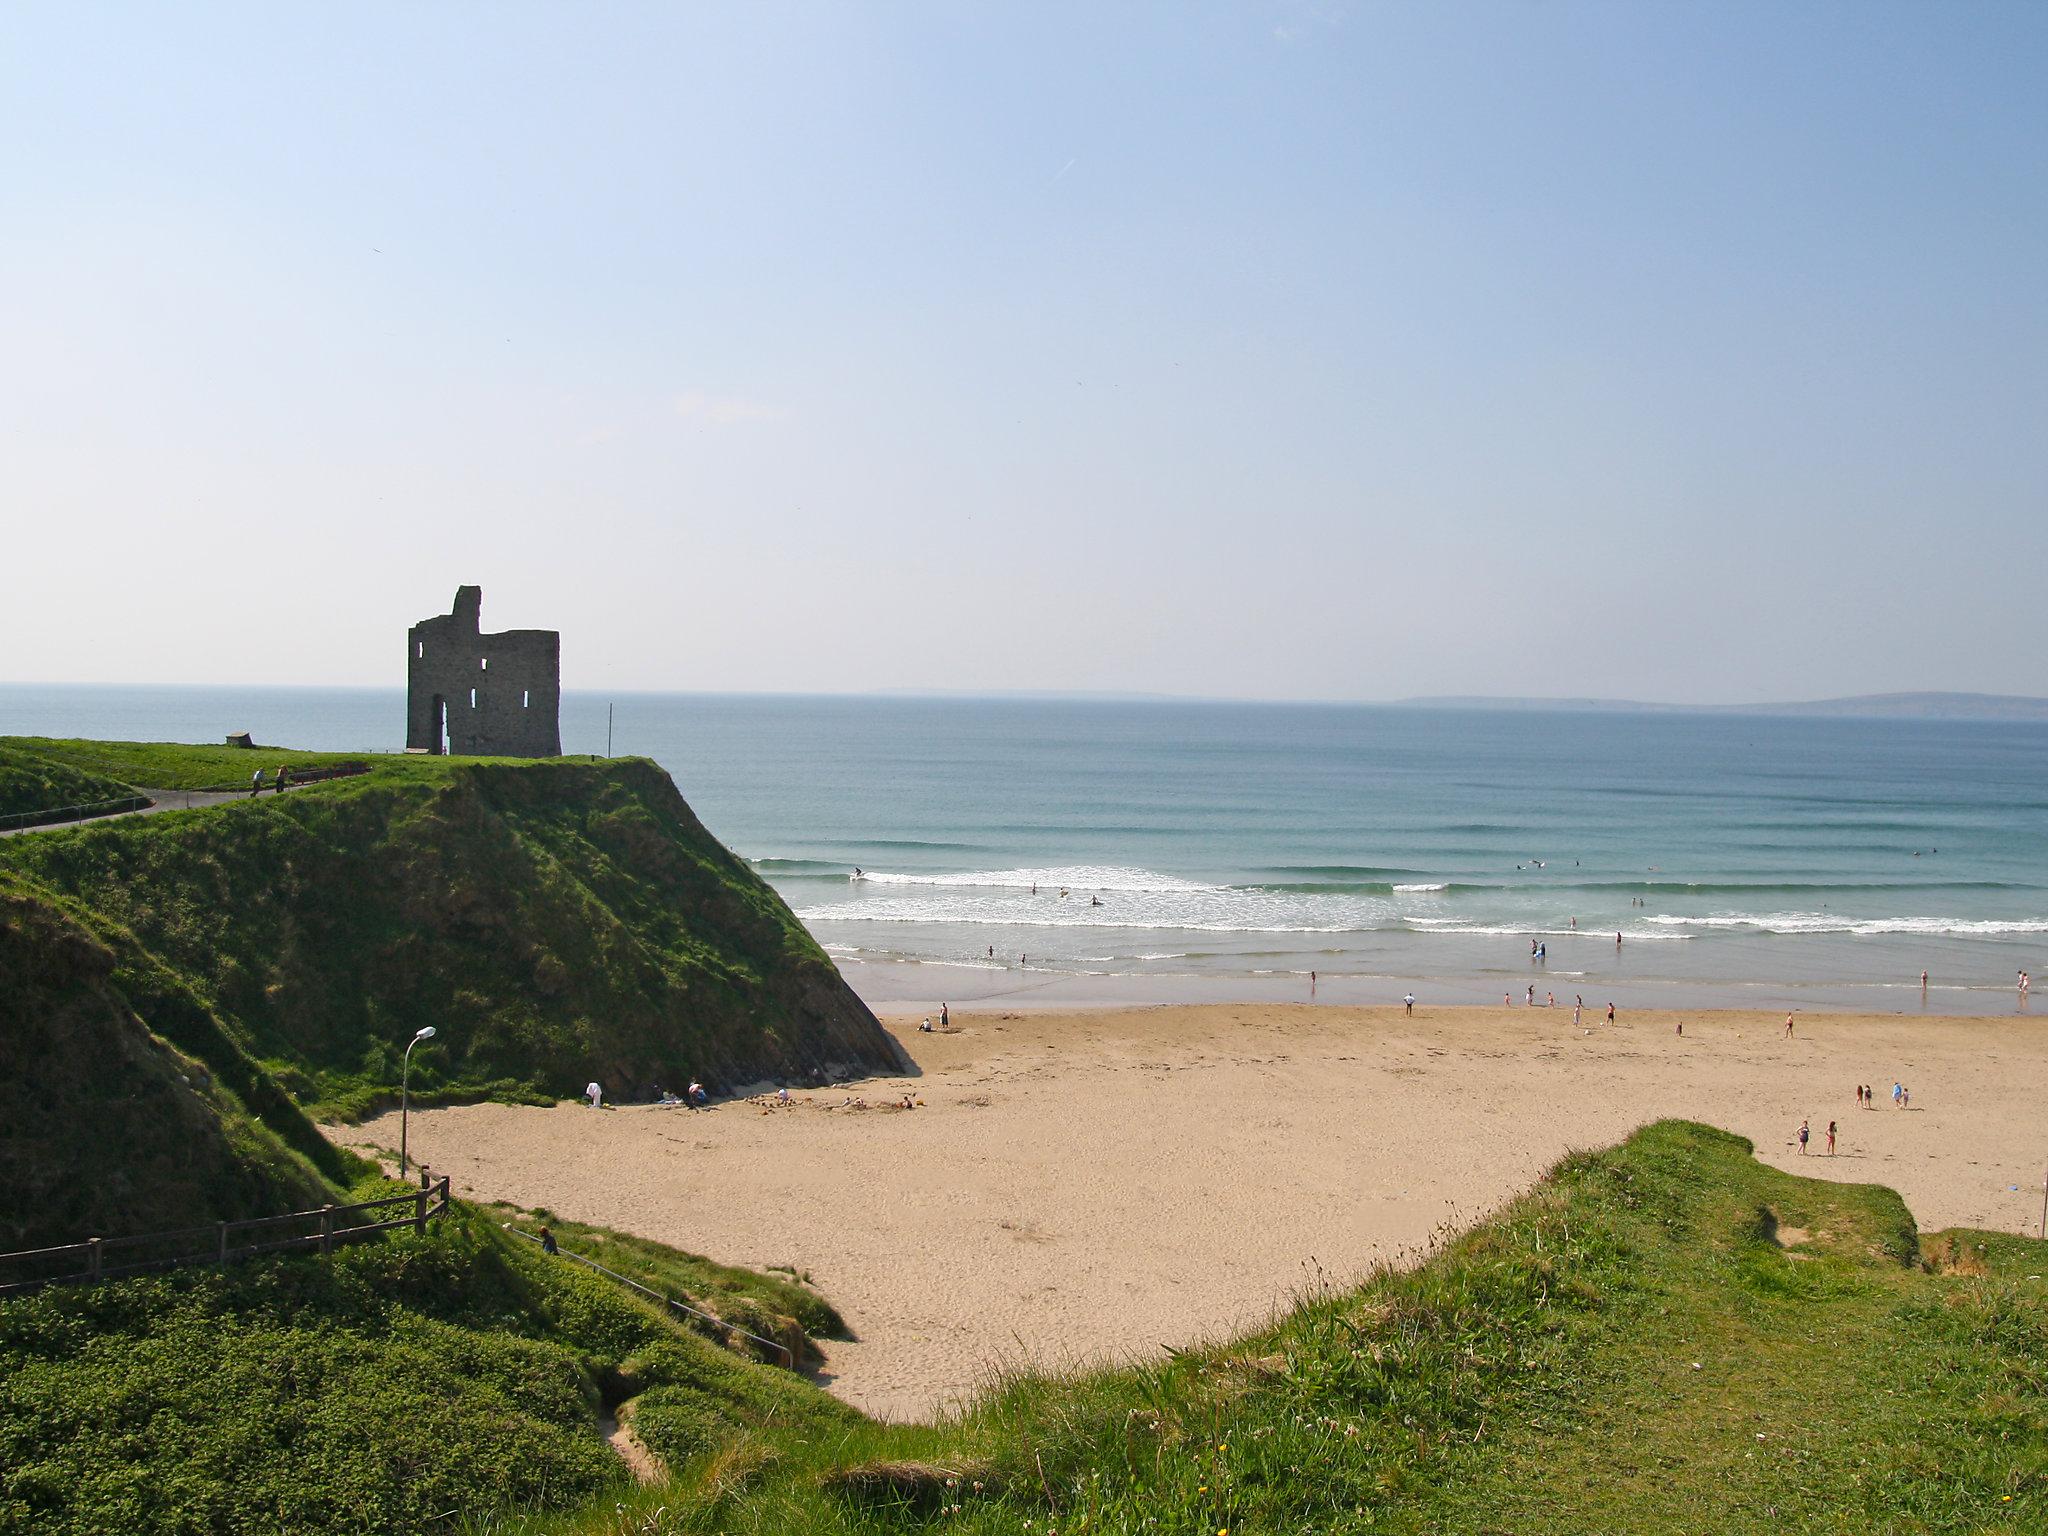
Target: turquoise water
1216,849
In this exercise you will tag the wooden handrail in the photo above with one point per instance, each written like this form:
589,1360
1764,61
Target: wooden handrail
429,1202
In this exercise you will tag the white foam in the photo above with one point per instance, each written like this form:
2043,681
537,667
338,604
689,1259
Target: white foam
1420,888
1829,922
1051,880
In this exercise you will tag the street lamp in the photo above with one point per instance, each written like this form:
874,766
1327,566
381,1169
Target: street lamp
405,1094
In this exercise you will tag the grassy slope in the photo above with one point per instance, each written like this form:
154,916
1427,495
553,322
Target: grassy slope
31,782
110,1128
397,1388
555,921
1537,1374
786,1311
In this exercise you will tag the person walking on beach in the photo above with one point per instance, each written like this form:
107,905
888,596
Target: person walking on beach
1578,1008
1617,941
1550,999
1804,1131
1898,1092
1831,1138
1531,998
1788,1026
1681,1027
1610,1013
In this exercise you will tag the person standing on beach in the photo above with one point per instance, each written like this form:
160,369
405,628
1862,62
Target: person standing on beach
1531,998
1610,1013
1577,1008
1805,1130
945,1017
1409,1002
1831,1138
1788,1026
1617,941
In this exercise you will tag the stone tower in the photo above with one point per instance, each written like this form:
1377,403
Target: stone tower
479,695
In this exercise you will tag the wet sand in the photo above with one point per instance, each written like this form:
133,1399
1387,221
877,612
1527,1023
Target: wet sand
1082,1187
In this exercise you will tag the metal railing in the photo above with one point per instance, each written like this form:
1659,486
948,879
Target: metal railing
113,1258
788,1358
61,815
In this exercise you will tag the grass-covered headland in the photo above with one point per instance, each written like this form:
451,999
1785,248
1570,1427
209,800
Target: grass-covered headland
555,922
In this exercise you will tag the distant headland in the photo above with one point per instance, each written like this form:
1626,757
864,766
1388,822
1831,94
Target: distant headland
1895,706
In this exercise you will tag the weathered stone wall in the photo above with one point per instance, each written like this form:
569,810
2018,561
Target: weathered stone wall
499,695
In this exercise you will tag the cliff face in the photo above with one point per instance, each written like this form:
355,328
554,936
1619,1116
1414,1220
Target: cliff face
555,922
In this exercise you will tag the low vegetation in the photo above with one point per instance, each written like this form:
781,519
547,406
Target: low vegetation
398,1387
786,1311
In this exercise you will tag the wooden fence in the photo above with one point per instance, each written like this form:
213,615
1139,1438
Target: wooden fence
318,1230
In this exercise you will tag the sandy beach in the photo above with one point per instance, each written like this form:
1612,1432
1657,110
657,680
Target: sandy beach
1093,1186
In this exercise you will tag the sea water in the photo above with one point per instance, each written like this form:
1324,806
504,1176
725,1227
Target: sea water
1083,850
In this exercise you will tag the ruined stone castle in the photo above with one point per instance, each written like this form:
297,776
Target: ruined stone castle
479,695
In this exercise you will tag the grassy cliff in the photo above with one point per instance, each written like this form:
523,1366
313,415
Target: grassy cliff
111,1128
555,921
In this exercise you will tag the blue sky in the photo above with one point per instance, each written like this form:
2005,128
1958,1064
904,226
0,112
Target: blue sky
1288,350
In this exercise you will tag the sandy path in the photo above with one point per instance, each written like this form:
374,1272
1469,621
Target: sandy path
1090,1186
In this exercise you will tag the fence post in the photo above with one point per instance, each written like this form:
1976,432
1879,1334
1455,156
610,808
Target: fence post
419,1213
93,1262
223,1242
327,1229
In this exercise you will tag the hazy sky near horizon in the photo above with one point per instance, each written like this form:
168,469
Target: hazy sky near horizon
1689,352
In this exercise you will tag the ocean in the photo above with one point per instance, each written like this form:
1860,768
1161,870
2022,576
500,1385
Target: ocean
1081,851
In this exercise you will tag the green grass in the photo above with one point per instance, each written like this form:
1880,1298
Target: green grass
1632,1347
401,1386
32,783
112,1127
554,921
787,1311
179,765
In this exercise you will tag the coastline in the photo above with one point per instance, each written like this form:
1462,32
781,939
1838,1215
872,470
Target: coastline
1090,1186
915,987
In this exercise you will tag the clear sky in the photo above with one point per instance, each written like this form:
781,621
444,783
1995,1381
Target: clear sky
1690,352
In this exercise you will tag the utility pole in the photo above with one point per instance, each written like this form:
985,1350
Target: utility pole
607,730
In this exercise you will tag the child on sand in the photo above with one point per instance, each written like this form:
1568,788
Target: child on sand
1804,1131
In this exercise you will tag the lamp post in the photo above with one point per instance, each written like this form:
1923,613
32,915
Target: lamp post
405,1094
